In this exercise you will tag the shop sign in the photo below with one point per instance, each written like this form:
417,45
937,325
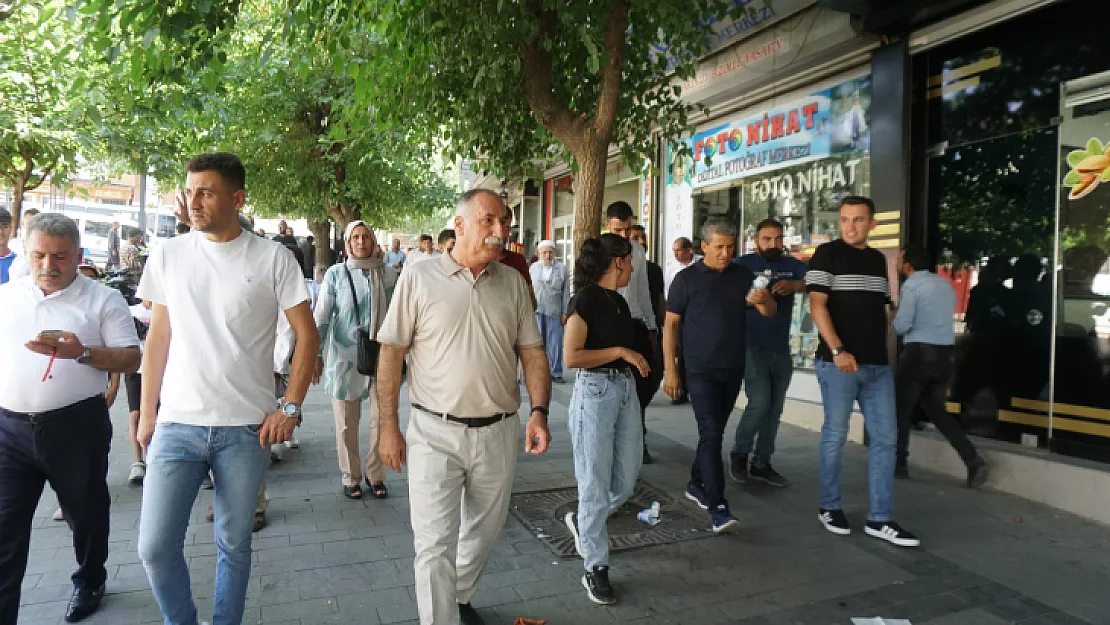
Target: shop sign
645,201
830,122
725,31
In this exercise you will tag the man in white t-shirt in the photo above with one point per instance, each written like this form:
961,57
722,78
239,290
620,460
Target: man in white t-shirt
216,293
61,335
426,252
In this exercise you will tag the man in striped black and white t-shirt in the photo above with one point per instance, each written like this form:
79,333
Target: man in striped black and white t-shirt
850,301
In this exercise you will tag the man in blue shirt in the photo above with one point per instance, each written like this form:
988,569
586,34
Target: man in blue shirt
708,304
7,256
394,257
768,366
924,320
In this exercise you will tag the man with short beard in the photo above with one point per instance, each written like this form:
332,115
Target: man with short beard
768,366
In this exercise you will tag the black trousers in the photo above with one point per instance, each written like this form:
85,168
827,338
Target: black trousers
923,374
646,387
713,395
69,449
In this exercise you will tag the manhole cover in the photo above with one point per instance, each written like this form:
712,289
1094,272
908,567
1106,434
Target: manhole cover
542,512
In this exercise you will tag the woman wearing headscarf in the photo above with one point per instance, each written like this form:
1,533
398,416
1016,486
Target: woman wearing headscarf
365,283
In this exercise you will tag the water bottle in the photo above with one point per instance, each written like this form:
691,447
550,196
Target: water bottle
651,515
761,281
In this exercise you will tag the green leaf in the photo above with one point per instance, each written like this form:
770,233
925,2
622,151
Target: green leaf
1071,179
1105,175
1075,156
1094,146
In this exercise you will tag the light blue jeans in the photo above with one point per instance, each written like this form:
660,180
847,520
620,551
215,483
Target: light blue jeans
551,329
608,441
767,376
873,387
178,459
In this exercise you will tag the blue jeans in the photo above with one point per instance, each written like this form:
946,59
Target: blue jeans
551,329
767,375
713,396
608,442
873,387
178,459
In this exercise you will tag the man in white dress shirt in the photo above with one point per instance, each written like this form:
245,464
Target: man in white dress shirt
61,334
638,293
426,252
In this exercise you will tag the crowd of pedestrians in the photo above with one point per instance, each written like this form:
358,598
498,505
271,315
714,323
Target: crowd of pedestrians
232,330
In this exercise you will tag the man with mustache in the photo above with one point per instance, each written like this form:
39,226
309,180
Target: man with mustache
768,365
463,432
61,335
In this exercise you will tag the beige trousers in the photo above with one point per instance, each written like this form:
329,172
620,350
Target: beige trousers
347,416
460,480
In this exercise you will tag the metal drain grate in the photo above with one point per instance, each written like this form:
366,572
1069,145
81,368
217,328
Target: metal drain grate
542,513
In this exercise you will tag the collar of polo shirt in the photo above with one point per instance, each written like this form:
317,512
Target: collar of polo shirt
451,266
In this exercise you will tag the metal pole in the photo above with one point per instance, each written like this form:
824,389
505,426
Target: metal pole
142,201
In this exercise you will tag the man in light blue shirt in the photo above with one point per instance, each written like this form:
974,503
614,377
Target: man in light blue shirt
924,320
394,257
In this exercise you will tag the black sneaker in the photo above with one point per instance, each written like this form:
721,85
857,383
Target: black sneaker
723,521
695,494
834,521
681,399
901,471
978,472
768,475
891,532
569,520
469,616
738,467
598,587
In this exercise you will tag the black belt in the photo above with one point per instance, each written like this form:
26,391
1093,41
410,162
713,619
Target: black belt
610,371
472,422
72,410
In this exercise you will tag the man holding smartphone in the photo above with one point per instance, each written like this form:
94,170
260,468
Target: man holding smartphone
61,335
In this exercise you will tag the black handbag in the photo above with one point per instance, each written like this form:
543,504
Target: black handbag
367,359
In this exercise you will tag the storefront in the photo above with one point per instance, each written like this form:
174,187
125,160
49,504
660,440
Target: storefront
621,184
1013,174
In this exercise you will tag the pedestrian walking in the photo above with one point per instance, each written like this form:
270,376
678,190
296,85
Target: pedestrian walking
446,241
427,251
113,246
638,295
549,275
926,307
656,289
708,304
684,256
61,335
130,254
849,295
461,321
353,298
605,428
767,365
216,295
394,257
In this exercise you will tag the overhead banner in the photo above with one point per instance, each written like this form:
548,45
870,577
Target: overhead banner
830,122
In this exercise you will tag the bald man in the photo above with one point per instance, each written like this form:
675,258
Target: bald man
463,431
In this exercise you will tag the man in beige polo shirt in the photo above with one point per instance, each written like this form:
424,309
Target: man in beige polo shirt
461,320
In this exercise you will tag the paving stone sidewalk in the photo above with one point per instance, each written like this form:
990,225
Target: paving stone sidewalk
987,558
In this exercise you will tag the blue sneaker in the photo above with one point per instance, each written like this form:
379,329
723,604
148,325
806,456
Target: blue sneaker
695,494
723,521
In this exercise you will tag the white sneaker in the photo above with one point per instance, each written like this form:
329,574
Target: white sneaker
277,452
137,473
292,443
570,519
58,515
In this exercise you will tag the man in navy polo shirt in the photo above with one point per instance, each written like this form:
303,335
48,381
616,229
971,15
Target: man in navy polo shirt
768,364
708,303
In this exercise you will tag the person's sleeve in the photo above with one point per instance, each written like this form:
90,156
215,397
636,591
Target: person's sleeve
528,333
117,326
325,305
288,281
907,307
399,325
151,286
522,267
819,278
678,297
799,269
643,288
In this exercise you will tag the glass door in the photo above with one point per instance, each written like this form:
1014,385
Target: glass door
563,227
1080,400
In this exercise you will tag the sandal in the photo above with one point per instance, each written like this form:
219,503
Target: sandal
378,490
352,492
259,521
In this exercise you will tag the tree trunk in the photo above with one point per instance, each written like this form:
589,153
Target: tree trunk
17,205
321,231
589,192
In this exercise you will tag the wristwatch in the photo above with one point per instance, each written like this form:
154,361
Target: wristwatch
291,410
540,409
85,357
836,351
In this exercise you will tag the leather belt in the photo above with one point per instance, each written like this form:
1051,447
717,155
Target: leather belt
71,410
611,372
472,422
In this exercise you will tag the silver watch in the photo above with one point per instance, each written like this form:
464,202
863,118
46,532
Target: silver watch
85,357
